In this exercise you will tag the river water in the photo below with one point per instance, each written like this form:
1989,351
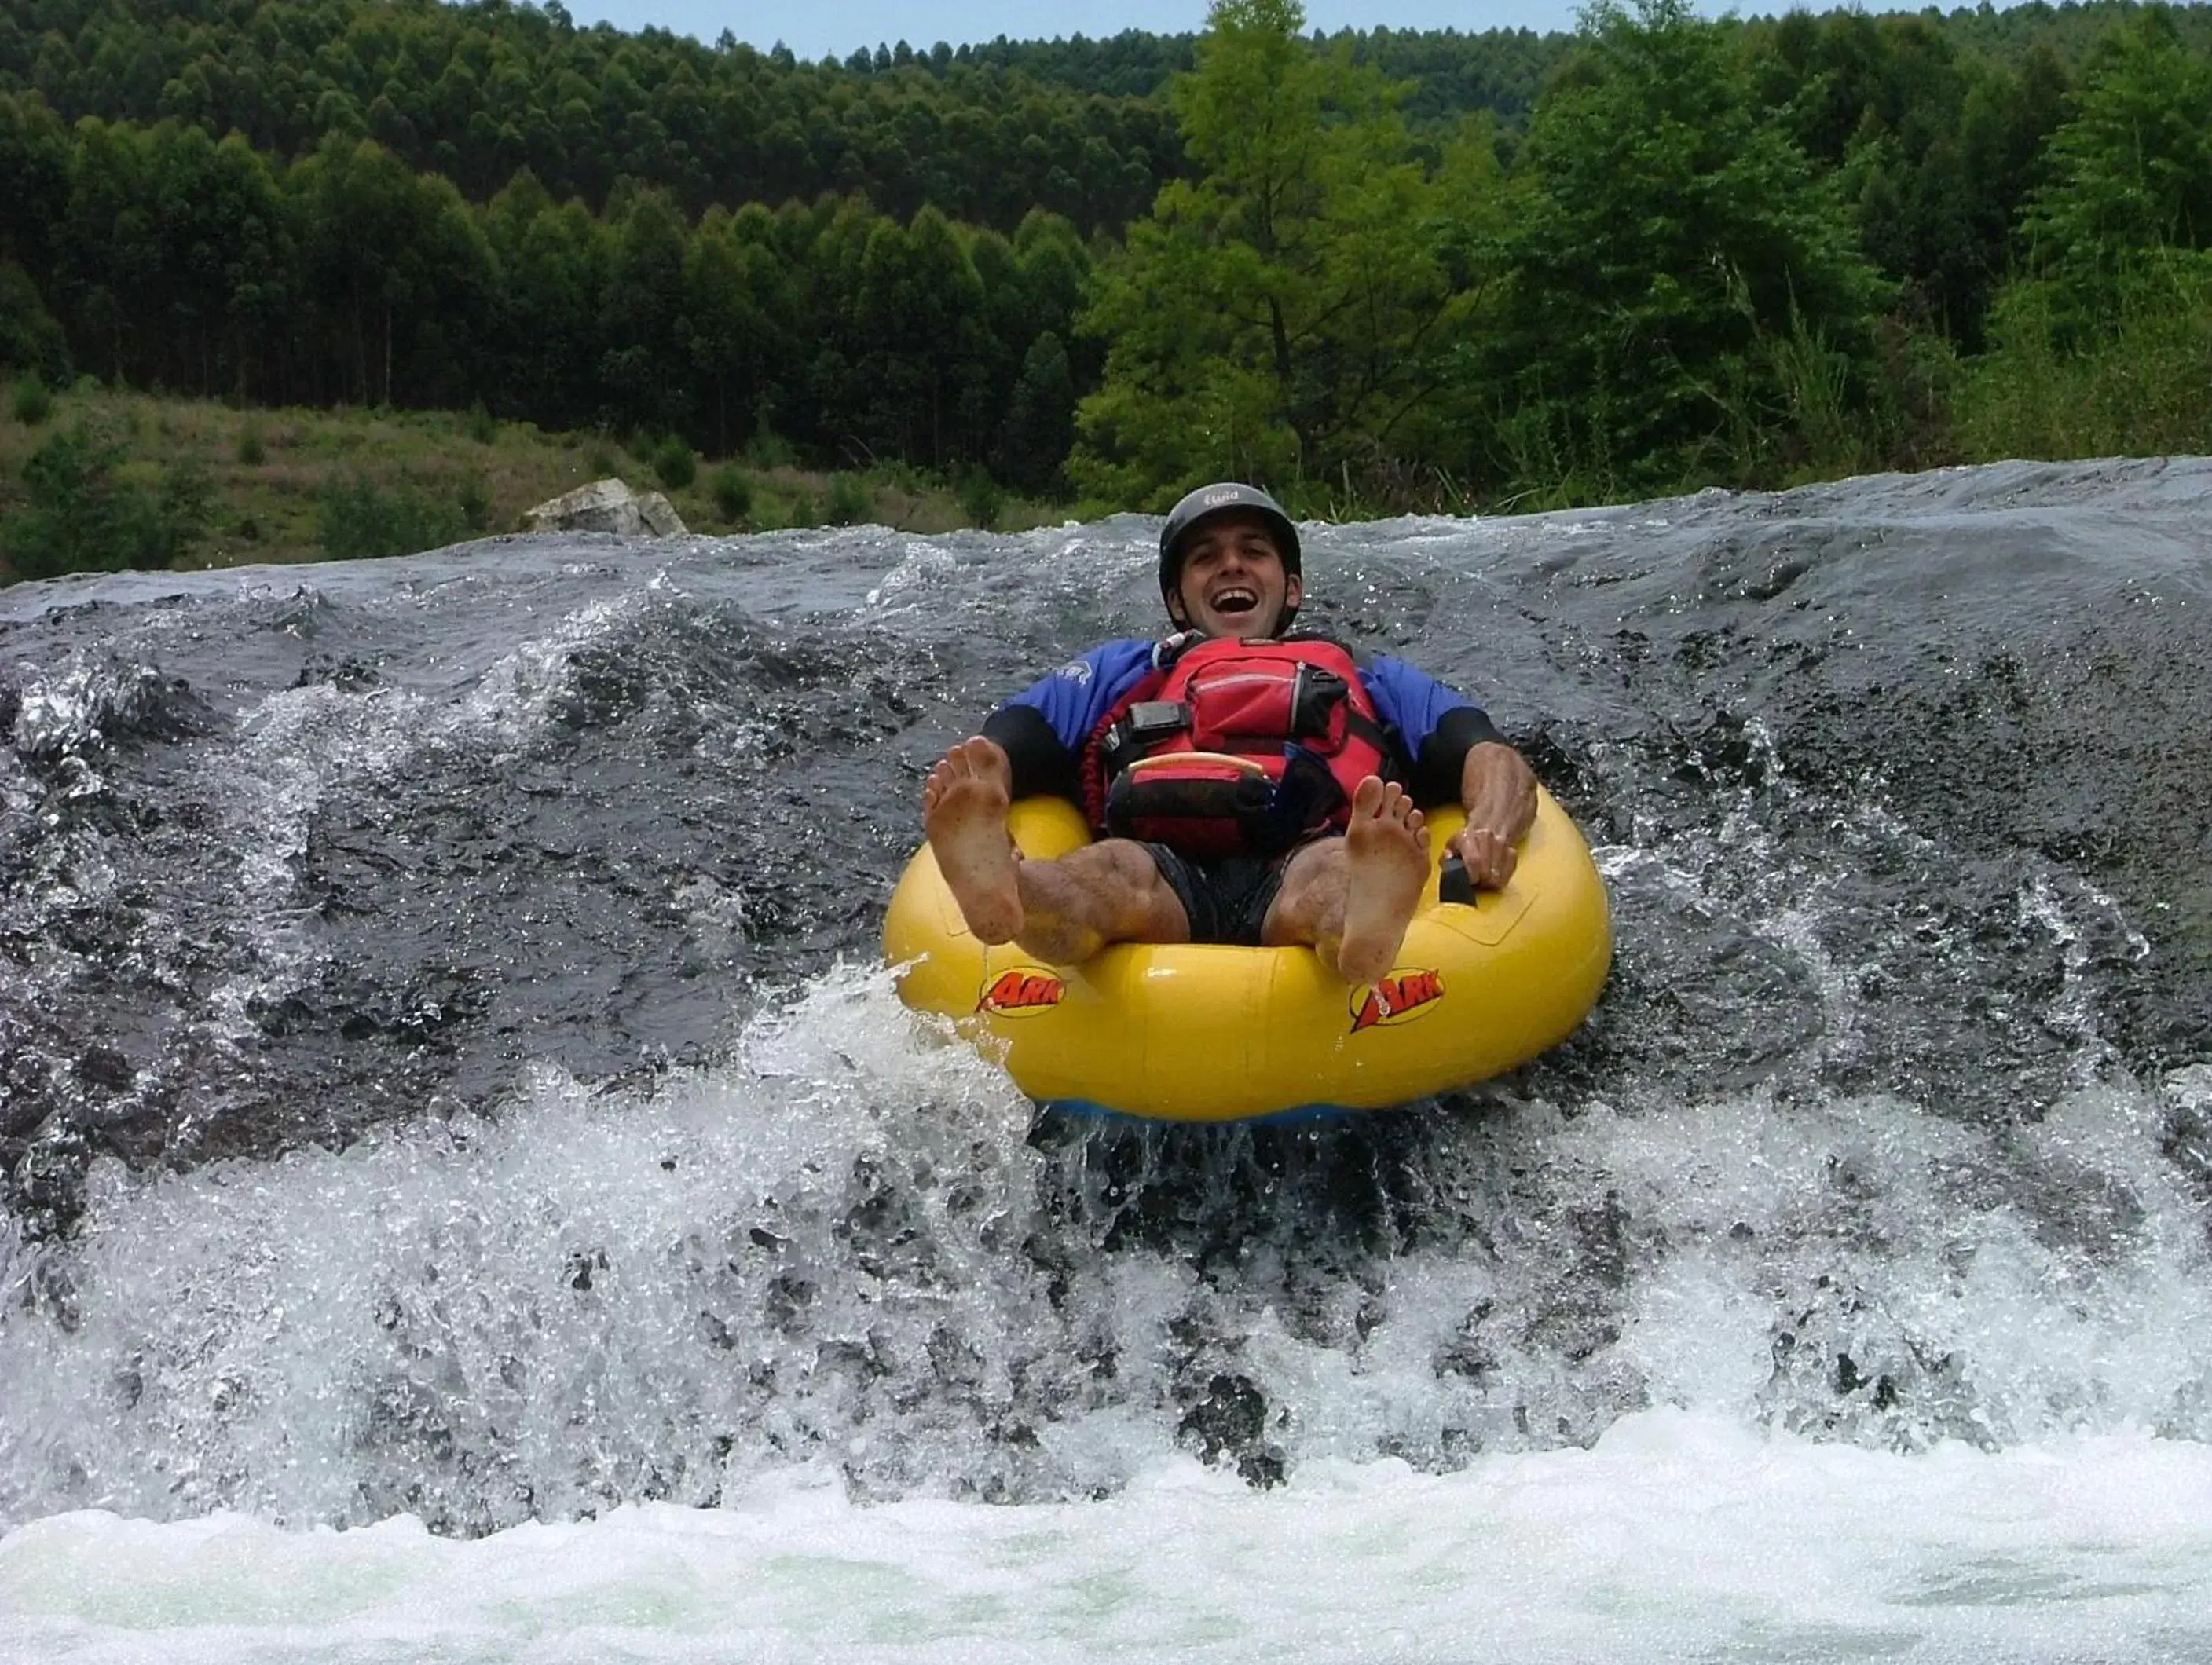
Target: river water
467,1189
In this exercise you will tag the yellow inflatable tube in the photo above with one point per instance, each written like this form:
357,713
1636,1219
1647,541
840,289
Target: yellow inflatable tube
1202,1033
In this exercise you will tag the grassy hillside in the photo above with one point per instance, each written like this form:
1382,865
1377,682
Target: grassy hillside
243,486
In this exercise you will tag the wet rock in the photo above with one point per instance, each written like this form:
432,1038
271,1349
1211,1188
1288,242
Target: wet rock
607,506
1231,1421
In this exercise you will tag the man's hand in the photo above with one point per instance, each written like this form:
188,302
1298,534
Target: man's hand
1498,789
1489,855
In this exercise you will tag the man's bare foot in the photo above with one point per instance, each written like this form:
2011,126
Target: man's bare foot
1386,858
964,810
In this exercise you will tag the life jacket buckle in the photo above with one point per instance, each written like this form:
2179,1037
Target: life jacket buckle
1145,725
1148,720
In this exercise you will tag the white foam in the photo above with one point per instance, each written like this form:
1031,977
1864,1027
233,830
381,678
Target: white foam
1679,1536
1856,1379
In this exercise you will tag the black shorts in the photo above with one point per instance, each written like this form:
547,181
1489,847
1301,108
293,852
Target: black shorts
1225,898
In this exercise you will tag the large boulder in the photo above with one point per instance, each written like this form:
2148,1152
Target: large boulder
607,506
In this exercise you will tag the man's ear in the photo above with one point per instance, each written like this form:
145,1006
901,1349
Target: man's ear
1176,613
1294,591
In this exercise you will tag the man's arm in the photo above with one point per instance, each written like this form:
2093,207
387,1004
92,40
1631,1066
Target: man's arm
1037,760
1042,731
1498,789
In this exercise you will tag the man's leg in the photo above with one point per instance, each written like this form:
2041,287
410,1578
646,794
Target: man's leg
1352,897
1061,911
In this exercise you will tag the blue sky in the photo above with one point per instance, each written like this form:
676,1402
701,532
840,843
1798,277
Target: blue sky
839,26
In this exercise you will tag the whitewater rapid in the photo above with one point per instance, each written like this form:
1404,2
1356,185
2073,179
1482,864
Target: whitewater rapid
468,1189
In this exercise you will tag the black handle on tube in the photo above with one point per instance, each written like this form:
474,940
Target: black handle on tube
1453,883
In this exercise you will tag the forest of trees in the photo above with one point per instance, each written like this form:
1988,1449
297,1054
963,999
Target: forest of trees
1384,269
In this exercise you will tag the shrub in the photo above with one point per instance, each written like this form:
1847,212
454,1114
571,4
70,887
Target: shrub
2135,385
473,498
250,451
29,399
982,501
848,501
768,449
80,514
675,464
484,428
185,507
357,519
733,494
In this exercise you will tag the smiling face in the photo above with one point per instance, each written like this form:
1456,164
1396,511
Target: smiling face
1232,582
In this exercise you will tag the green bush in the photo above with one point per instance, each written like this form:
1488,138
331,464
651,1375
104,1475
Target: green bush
675,464
358,519
484,428
2134,386
81,514
184,508
768,449
982,501
29,399
473,498
250,451
733,494
848,501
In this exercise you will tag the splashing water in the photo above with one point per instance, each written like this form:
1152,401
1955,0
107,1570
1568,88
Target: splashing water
449,1097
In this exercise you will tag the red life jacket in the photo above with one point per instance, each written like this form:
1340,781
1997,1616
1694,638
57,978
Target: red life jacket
1236,748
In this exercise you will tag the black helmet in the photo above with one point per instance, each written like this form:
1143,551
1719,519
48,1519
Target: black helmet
1223,497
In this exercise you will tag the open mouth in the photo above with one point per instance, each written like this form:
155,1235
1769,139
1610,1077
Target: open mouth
1232,602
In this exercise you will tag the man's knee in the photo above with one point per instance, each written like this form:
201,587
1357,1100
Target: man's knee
1116,883
1148,907
1310,898
1118,864
1317,870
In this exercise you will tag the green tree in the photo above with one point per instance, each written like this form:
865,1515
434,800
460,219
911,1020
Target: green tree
739,312
399,273
1933,144
554,262
356,519
2100,344
2129,174
34,183
1039,422
30,338
918,313
1686,301
1276,315
647,368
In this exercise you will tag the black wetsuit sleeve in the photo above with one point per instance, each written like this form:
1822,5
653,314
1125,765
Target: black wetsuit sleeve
1444,755
1042,766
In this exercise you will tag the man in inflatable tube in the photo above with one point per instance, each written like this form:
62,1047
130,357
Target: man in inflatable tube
1250,784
